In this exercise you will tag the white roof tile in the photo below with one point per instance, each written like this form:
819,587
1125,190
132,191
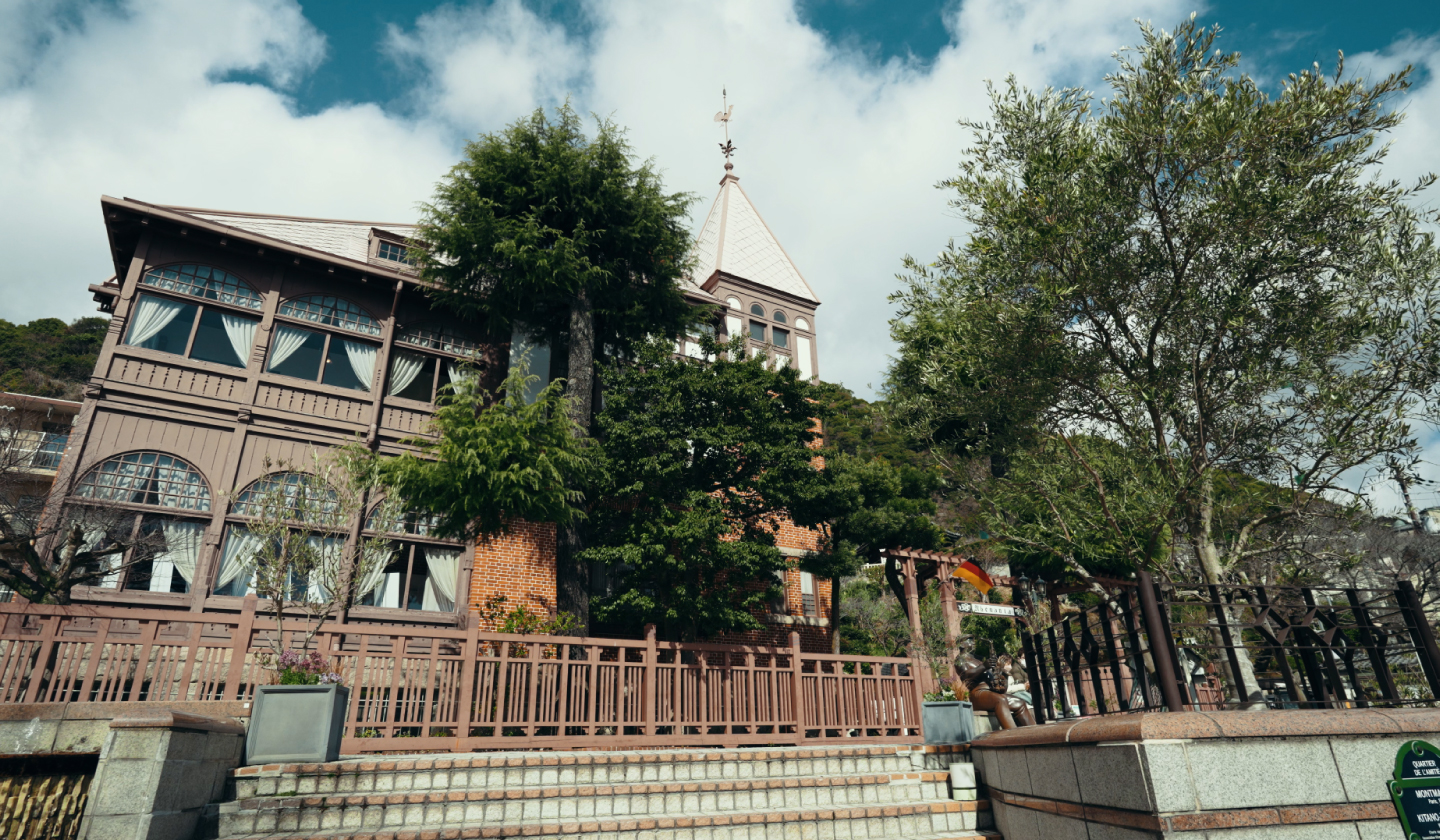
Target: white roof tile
350,240
735,239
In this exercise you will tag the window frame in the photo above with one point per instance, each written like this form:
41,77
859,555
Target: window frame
408,540
281,317
326,331
138,511
201,305
431,354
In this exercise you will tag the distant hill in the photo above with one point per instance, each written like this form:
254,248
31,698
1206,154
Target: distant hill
49,358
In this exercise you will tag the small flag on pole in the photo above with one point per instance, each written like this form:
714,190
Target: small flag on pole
973,575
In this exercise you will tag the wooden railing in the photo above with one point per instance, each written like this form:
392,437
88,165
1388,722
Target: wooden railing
420,689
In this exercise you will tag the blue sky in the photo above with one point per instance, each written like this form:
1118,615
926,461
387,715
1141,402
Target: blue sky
1275,38
845,111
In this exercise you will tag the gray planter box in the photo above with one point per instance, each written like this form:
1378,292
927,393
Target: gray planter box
947,722
296,723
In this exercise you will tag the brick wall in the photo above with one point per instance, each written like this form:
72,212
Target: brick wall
520,565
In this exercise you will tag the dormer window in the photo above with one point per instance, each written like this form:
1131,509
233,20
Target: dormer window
394,253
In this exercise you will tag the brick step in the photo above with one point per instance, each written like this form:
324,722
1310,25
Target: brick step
918,821
503,771
530,804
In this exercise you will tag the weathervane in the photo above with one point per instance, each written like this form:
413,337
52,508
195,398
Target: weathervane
727,148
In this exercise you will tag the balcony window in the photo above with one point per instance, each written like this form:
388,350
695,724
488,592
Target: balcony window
170,326
322,357
331,312
203,281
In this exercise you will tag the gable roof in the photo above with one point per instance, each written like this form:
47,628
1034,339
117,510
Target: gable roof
735,239
339,237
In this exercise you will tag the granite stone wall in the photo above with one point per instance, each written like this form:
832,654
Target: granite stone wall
1286,775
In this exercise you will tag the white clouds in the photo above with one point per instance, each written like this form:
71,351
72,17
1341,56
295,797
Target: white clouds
483,66
839,152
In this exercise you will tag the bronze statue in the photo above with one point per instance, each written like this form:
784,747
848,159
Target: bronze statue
980,678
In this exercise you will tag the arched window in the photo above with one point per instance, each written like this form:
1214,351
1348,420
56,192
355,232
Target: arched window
146,478
323,356
170,326
802,324
417,575
418,376
203,281
757,310
313,500
163,548
733,302
331,312
779,317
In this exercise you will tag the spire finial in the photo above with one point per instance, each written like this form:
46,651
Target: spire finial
727,148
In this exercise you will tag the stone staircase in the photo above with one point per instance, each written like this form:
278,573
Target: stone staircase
838,793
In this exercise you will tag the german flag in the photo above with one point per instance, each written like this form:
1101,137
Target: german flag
973,575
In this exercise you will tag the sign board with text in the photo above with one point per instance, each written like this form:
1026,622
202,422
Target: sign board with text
979,608
1415,790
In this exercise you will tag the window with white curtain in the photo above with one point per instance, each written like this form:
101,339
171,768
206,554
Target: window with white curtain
417,573
322,357
203,331
422,376
168,527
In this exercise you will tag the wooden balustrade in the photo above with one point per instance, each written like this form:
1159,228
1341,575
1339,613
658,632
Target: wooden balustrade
421,689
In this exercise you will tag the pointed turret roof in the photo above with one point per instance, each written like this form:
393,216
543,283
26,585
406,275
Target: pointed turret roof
736,240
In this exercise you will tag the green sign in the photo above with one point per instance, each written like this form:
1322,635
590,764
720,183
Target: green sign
1415,789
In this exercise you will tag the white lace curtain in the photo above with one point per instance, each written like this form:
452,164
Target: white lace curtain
362,361
287,341
440,588
376,580
241,332
152,315
403,371
182,549
241,546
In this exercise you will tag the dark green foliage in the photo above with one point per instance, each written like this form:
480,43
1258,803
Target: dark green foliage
861,507
701,460
538,213
1209,279
46,358
856,427
495,462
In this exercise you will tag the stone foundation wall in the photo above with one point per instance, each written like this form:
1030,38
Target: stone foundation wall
1286,775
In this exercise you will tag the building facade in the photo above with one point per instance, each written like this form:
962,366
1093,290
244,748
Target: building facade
241,346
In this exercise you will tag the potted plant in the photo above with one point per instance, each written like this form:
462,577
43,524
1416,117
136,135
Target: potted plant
302,717
293,551
945,718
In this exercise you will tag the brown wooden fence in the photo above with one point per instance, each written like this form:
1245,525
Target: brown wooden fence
416,688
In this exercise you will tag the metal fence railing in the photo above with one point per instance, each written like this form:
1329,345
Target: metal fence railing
1182,646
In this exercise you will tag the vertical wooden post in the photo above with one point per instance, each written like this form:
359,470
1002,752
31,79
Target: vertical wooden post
797,688
1159,643
468,655
952,615
651,686
240,647
49,632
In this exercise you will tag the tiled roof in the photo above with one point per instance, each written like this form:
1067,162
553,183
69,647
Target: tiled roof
350,240
735,240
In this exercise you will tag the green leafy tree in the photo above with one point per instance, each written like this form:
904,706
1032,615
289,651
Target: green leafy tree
568,237
1205,275
493,460
701,462
859,508
48,358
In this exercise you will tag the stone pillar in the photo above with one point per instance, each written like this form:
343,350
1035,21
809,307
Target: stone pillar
159,773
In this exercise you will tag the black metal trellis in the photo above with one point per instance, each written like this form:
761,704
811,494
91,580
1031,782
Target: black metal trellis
1168,646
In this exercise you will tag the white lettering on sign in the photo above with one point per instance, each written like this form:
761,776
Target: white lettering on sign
988,609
